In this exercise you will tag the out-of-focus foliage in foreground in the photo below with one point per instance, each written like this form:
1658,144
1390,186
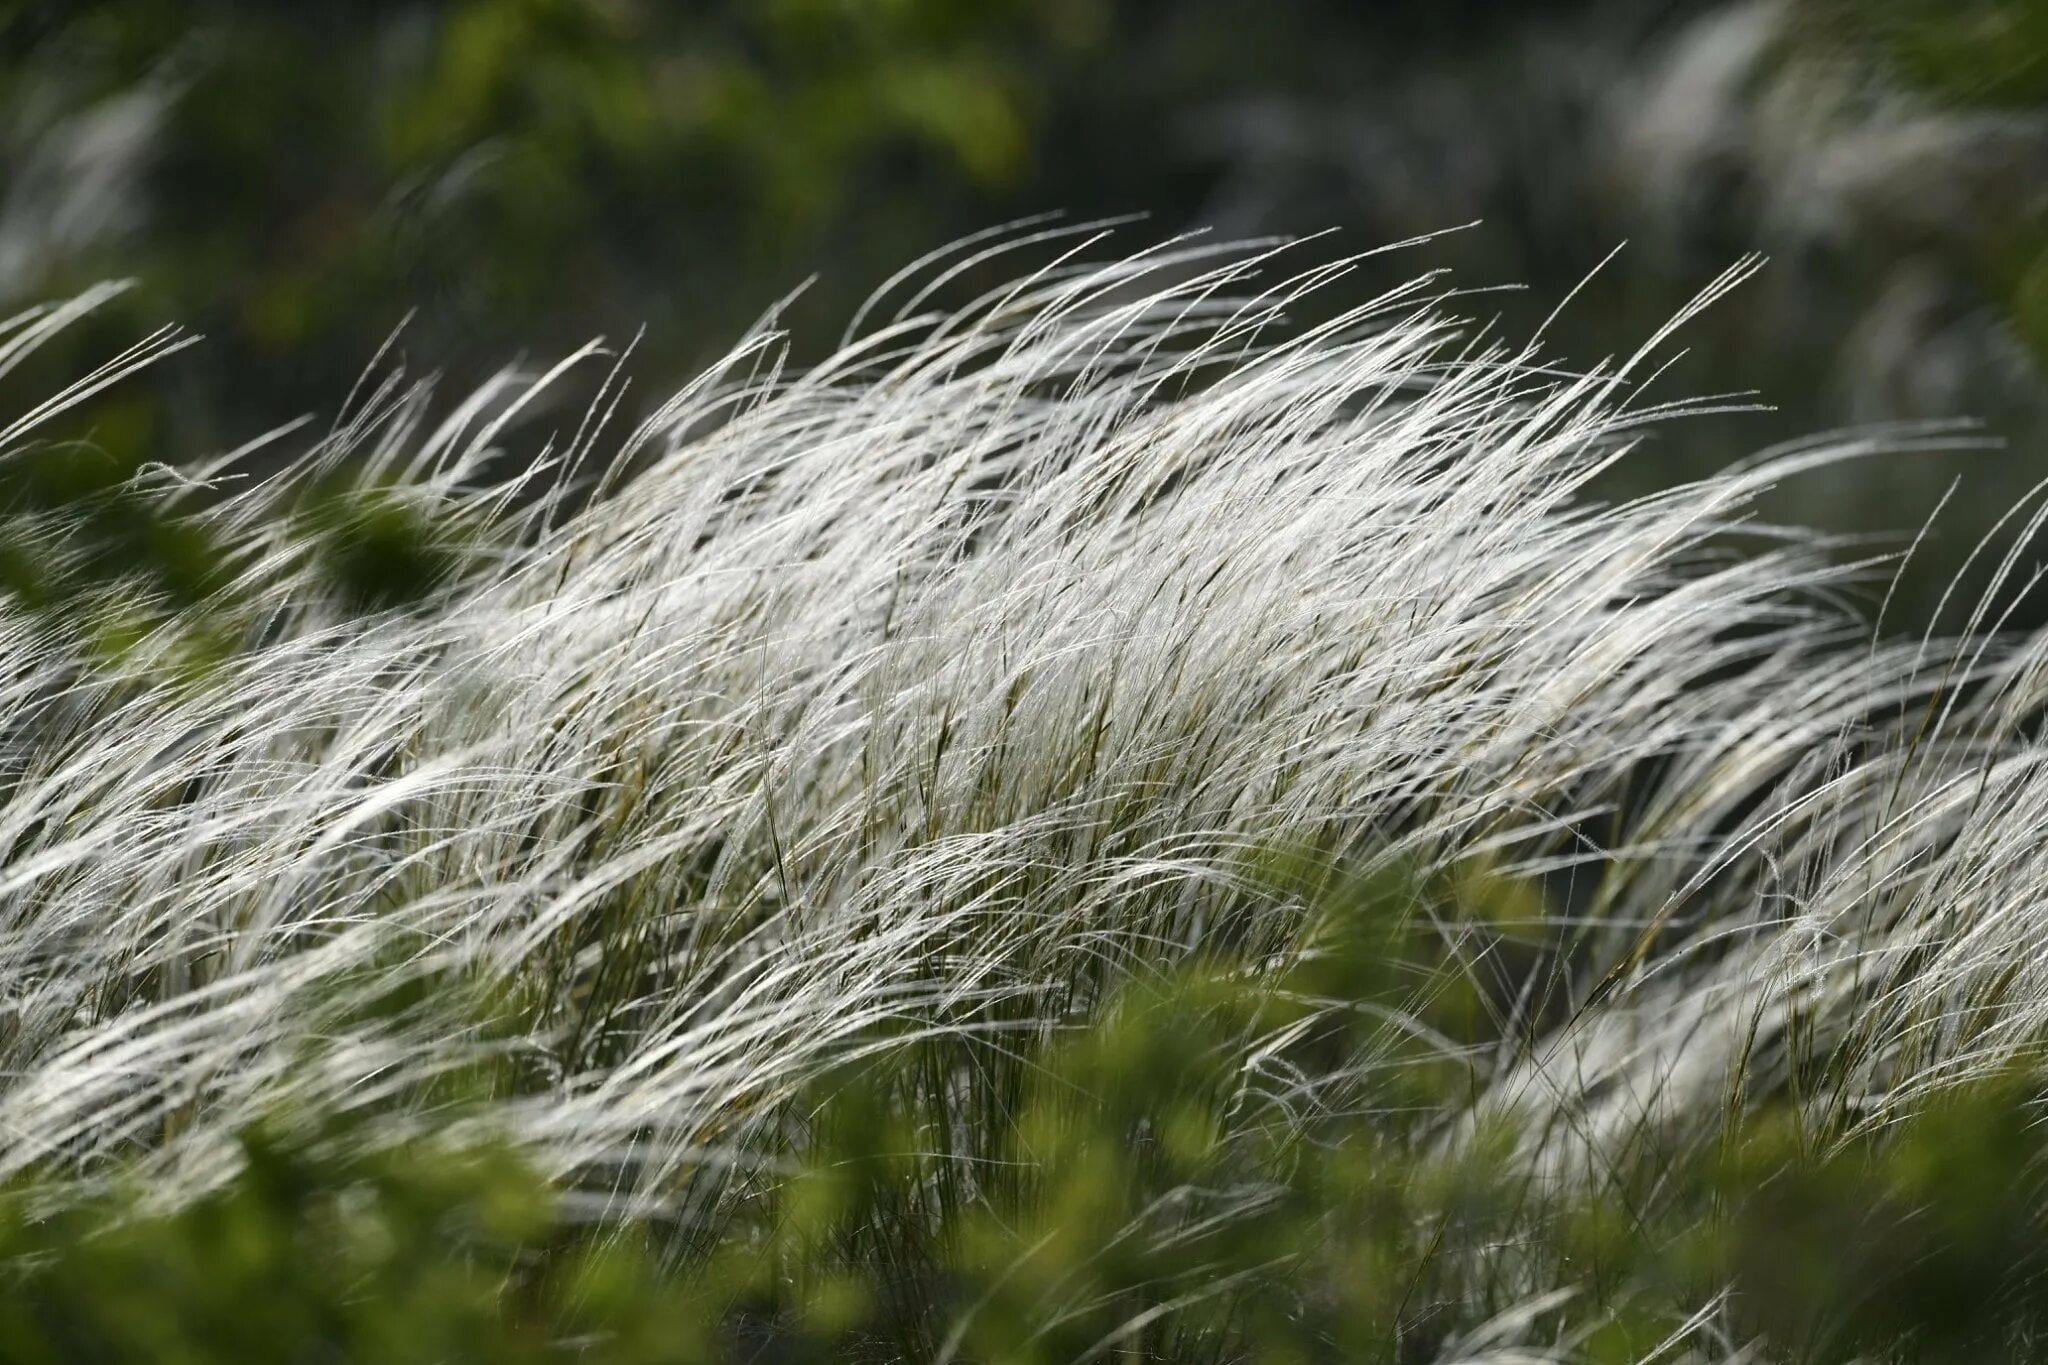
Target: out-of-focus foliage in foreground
1128,1210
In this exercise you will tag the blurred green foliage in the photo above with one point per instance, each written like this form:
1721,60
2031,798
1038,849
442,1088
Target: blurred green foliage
383,545
538,170
118,532
518,176
1144,1189
1981,57
1989,53
415,1255
292,180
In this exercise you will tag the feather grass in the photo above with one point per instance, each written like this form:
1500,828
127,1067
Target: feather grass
944,689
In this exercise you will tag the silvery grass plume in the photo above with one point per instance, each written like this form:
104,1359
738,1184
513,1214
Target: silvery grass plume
1867,937
940,688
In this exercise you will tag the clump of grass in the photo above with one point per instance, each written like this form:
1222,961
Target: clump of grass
939,700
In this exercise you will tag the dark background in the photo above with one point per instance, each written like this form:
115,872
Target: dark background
522,175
